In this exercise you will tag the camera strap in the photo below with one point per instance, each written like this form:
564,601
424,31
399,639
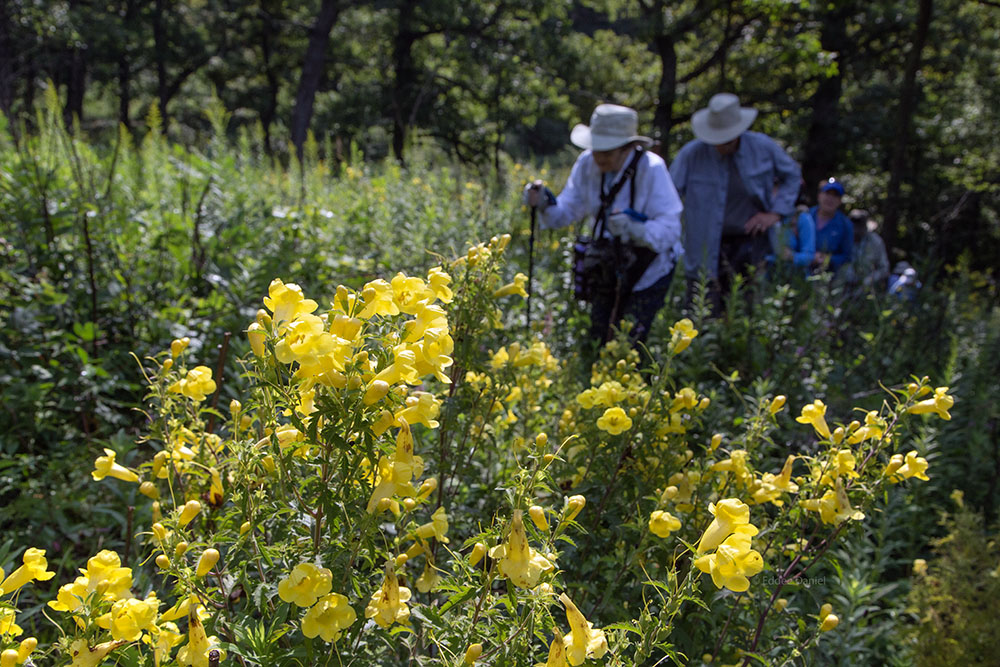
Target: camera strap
608,198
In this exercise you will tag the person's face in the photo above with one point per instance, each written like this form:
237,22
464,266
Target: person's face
612,160
729,147
829,201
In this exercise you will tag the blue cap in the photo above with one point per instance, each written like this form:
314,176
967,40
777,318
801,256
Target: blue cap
833,185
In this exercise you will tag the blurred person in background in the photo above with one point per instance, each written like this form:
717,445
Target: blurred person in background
834,232
869,267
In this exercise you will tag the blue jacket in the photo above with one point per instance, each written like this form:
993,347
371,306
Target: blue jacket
802,243
836,238
701,176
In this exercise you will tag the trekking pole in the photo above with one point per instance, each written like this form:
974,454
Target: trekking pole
531,266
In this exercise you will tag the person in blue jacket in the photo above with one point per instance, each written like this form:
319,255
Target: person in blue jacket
794,243
834,232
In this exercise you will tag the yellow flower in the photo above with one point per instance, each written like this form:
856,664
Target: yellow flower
777,404
388,603
8,627
328,618
844,462
438,281
306,584
834,507
130,617
195,652
517,560
433,355
815,413
429,578
574,504
8,658
410,294
663,523
872,429
395,475
681,335
557,651
105,466
919,567
196,385
430,320
33,568
783,480
477,553
287,303
177,346
537,514
84,656
939,404
614,421
436,528
736,464
188,512
583,641
732,563
731,516
421,408
164,641
912,466
516,287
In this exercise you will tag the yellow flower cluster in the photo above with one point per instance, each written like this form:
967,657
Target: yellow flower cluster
730,535
329,614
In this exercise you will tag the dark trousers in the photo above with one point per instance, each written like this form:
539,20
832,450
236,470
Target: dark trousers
640,307
737,254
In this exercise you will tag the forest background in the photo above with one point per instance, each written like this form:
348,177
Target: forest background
162,161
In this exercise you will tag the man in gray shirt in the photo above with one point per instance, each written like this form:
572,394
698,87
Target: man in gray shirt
736,185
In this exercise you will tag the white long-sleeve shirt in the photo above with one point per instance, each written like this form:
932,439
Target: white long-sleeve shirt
655,196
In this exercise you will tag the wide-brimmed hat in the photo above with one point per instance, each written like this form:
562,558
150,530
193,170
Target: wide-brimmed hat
611,126
723,120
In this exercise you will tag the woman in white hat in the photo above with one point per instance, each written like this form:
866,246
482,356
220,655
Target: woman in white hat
736,184
628,193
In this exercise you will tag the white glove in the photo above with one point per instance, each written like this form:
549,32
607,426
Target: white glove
628,229
536,195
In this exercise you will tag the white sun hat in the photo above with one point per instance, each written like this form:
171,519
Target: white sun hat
723,120
611,126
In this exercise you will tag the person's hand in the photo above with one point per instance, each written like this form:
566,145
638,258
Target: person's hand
761,222
617,225
820,259
627,229
533,194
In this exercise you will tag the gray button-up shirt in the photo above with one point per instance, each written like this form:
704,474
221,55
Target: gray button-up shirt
701,177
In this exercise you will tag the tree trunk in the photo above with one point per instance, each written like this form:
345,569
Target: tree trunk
6,60
160,53
273,85
904,122
823,147
76,86
312,72
124,69
663,120
405,78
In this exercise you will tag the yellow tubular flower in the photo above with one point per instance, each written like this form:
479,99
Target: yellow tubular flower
557,651
574,504
681,335
410,294
583,640
439,281
376,391
939,404
663,523
306,584
516,559
731,515
516,287
815,413
913,466
429,578
33,568
195,652
777,404
614,421
129,618
537,515
196,385
377,297
287,303
84,656
478,551
105,466
732,563
421,408
166,639
436,528
388,604
206,562
328,618
8,658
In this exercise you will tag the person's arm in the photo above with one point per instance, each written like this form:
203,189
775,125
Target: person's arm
571,204
788,178
807,241
662,230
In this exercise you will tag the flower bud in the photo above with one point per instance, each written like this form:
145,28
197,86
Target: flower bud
704,403
245,528
157,514
180,549
268,462
780,604
263,318
8,658
376,391
838,435
409,504
716,441
825,610
830,621
149,490
777,403
159,531
574,504
383,505
478,551
537,515
162,561
207,561
427,488
167,365
472,653
178,346
234,407
541,440
190,511
256,335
